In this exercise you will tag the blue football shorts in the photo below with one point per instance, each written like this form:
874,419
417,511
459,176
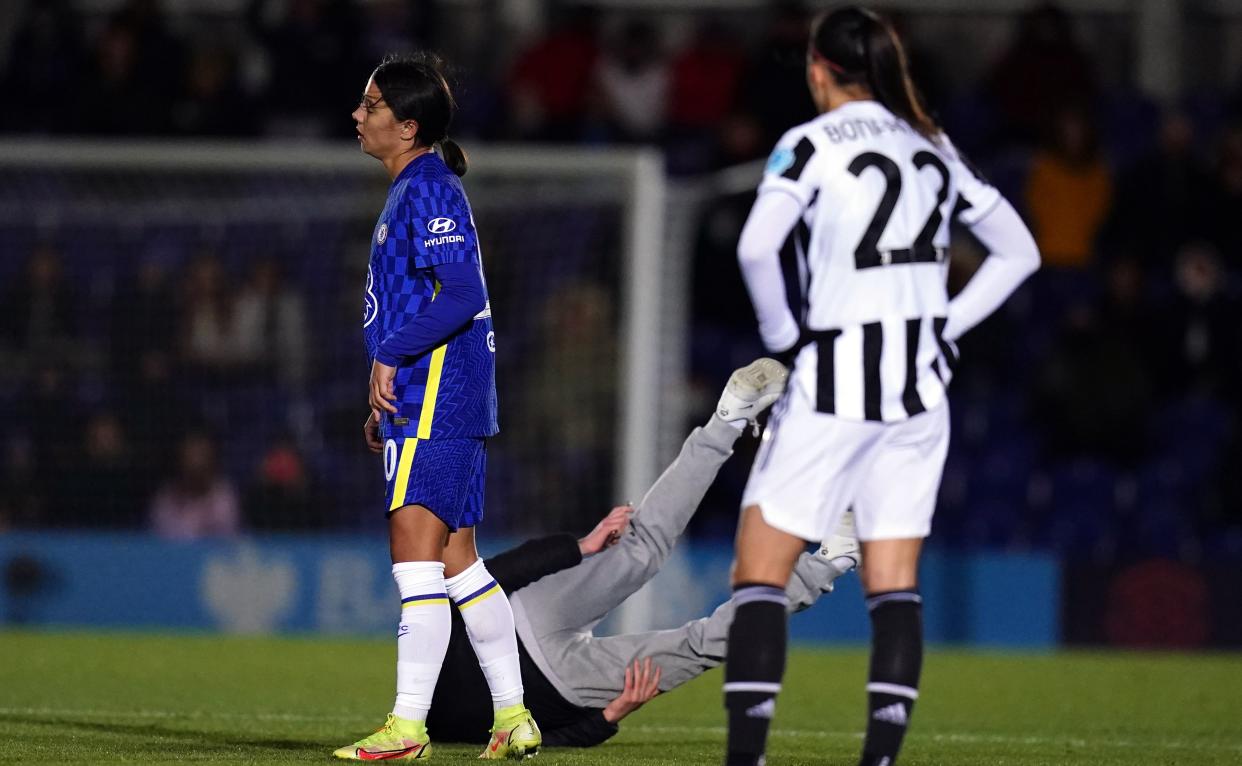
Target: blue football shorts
445,476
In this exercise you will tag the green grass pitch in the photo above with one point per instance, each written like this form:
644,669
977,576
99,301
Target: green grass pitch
157,698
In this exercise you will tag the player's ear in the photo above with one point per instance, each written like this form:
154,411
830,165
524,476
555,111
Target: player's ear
815,73
818,78
409,130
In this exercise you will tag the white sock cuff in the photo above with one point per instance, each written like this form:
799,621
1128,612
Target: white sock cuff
474,581
418,566
417,578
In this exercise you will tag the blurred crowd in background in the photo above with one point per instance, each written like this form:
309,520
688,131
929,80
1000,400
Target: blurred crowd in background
1096,414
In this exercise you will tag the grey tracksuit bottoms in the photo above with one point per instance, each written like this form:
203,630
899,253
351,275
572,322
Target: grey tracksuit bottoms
555,615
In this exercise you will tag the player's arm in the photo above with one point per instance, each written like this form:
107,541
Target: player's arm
1012,253
453,262
1012,257
460,298
784,195
768,226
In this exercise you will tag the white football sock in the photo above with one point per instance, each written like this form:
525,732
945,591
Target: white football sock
489,623
423,636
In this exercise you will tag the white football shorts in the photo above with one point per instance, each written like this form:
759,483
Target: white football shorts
811,467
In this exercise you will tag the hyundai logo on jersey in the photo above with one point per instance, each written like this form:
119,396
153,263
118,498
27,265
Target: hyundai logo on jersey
441,225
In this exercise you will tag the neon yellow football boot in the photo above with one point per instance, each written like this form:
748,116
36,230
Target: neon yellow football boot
514,735
397,740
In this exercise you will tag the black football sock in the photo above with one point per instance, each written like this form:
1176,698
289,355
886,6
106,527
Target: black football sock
753,670
893,684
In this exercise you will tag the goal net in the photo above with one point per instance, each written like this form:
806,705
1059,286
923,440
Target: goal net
193,311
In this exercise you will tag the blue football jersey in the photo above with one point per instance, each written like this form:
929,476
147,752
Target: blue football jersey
449,392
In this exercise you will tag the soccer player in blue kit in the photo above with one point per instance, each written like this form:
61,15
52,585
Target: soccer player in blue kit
428,329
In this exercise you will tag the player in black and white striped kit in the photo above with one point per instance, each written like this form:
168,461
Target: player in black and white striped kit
845,258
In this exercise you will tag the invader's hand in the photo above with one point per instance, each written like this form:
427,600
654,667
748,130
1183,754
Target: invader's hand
382,394
642,684
608,531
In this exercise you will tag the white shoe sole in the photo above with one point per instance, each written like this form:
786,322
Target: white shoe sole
752,389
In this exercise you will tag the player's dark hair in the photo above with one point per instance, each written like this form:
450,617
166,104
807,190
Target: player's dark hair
861,48
414,87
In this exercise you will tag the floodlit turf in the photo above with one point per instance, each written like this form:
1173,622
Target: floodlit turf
118,697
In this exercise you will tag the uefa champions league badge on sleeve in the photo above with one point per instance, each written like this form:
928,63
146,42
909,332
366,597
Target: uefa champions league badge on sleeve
780,161
381,233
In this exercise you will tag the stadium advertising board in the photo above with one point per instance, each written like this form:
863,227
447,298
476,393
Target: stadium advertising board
342,585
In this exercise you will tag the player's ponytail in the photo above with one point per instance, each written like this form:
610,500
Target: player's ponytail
890,78
861,48
454,156
415,88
